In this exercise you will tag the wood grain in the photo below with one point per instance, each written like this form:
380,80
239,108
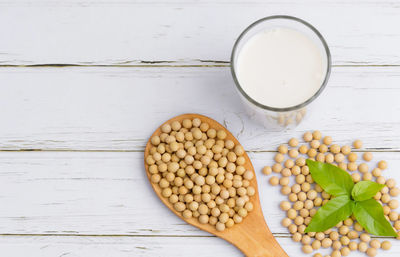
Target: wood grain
48,246
252,236
116,109
169,32
88,202
107,193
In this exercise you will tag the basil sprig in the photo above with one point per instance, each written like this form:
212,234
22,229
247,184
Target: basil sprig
348,199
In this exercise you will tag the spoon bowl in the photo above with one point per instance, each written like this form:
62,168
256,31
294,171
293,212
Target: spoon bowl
252,236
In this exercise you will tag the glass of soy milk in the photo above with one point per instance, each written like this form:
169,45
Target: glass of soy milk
280,64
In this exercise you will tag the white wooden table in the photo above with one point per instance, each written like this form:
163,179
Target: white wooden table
84,84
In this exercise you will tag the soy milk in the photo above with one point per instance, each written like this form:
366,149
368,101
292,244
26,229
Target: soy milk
280,67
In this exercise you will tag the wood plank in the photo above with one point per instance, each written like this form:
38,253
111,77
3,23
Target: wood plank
100,193
117,109
171,32
46,246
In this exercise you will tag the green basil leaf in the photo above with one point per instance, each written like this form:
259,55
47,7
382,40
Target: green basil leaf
365,190
369,214
332,179
330,214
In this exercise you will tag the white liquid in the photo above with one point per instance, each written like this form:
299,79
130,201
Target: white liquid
280,67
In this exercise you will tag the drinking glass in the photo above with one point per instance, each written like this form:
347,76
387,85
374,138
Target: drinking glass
290,116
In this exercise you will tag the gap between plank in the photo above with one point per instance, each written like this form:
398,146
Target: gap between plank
163,64
376,150
276,235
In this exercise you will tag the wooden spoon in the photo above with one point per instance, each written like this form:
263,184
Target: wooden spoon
252,236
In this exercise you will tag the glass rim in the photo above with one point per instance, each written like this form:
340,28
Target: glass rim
278,109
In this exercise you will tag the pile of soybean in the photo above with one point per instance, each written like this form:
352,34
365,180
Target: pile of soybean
201,172
305,196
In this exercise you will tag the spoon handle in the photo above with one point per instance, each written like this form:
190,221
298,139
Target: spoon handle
256,240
